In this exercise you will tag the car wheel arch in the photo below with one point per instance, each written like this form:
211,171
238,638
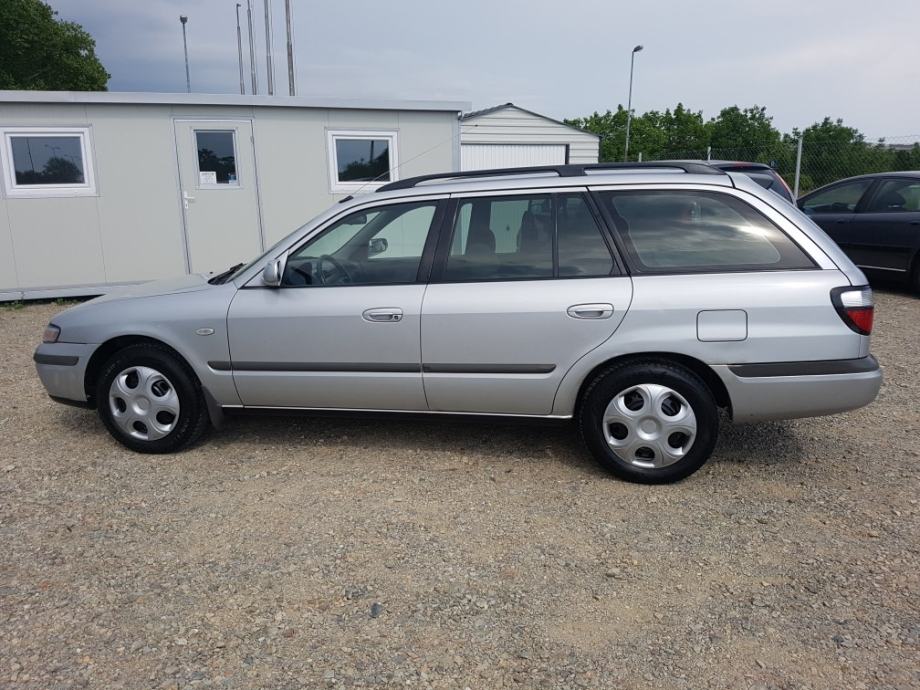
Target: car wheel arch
704,371
108,348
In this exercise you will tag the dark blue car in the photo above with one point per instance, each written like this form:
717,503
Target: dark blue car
875,219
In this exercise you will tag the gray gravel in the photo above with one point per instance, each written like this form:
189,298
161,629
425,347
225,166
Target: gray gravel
305,553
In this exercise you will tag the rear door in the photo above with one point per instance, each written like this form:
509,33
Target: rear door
833,209
524,285
884,233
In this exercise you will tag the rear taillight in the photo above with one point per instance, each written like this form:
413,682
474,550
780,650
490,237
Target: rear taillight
855,306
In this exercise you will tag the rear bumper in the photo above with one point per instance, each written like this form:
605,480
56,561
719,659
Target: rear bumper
787,390
62,369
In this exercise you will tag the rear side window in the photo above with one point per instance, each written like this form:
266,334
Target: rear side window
690,231
896,196
526,238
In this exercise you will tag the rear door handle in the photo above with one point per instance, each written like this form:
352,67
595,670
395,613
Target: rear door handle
601,310
383,314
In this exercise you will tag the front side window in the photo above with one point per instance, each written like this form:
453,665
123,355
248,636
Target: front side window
526,238
47,162
216,158
841,198
896,196
690,231
361,160
380,246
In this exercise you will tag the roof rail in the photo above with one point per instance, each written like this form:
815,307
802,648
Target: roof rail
568,170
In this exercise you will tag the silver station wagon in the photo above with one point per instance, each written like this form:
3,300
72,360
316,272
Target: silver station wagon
636,299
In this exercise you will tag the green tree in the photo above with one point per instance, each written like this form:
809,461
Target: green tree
40,52
739,129
610,127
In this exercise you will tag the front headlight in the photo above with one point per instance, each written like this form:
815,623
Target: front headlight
51,334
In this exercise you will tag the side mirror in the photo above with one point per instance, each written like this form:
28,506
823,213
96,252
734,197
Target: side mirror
273,272
378,245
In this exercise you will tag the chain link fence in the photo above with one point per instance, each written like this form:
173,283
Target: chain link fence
817,163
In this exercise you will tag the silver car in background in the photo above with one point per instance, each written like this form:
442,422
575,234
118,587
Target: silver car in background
638,299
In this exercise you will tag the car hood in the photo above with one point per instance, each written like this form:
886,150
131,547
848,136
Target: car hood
169,286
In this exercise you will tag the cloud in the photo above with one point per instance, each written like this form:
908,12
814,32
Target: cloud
801,60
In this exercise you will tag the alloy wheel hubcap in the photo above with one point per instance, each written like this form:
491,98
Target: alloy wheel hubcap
649,425
144,403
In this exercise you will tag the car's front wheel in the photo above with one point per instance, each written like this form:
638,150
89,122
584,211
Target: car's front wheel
649,421
149,400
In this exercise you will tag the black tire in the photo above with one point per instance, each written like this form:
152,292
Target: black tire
915,276
193,418
619,377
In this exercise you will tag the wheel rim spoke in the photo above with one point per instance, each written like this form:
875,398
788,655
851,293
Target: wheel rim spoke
649,425
144,403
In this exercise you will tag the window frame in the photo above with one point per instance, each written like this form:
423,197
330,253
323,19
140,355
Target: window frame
873,193
14,190
425,260
446,235
238,183
337,186
638,270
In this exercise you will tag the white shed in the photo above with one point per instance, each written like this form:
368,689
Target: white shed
100,189
510,136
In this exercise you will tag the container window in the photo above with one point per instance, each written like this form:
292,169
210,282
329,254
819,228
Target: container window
216,158
361,160
47,162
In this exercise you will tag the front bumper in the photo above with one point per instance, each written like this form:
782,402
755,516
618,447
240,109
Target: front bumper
62,369
787,390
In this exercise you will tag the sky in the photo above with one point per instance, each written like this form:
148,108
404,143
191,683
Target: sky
802,60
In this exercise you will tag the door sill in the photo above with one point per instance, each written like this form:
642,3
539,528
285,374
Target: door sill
243,410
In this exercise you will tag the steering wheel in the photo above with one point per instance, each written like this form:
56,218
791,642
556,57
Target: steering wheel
336,264
307,278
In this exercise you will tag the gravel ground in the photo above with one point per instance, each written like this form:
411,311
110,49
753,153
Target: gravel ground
312,553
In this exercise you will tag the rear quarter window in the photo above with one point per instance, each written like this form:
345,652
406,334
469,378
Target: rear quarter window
683,231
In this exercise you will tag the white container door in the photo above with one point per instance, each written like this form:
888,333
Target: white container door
488,156
219,195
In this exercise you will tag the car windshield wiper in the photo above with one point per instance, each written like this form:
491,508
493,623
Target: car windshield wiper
221,278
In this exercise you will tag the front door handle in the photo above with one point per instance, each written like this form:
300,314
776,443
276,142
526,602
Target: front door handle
186,198
383,314
600,310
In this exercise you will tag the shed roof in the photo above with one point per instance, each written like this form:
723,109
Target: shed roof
138,98
495,108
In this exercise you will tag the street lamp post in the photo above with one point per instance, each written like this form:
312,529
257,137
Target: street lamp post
188,81
239,48
252,50
632,61
269,63
288,22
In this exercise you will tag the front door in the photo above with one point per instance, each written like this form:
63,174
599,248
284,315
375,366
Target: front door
343,329
834,207
219,196
525,286
886,228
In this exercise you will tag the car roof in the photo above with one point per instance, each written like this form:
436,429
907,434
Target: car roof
561,176
728,164
867,176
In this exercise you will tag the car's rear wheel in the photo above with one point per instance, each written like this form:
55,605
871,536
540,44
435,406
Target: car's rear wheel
149,400
649,421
